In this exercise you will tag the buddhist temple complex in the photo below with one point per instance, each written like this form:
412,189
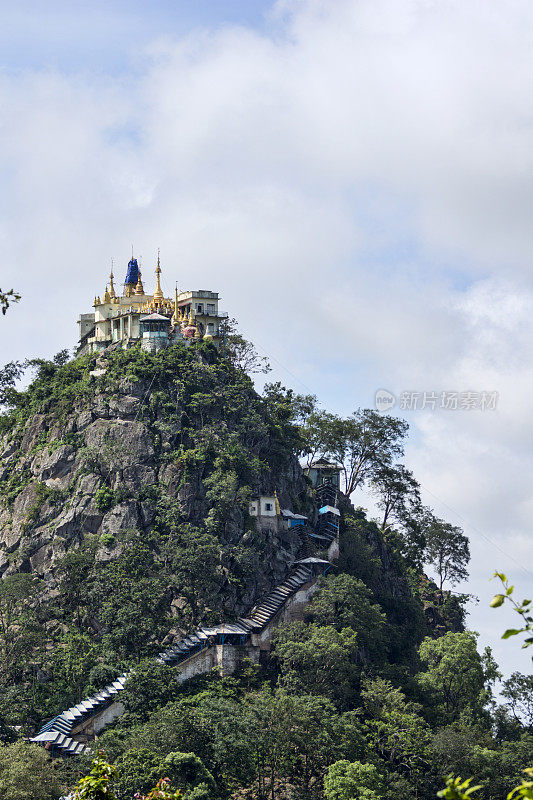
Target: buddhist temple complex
133,316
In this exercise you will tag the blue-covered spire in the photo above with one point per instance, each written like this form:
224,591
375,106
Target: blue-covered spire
132,275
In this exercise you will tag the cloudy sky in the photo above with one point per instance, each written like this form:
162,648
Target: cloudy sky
355,177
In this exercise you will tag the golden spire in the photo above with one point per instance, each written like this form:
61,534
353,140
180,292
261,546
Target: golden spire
191,319
107,296
158,294
139,289
112,293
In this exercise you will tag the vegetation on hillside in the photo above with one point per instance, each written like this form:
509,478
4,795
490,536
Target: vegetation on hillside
377,694
214,443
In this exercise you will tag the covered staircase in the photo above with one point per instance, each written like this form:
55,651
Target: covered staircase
58,734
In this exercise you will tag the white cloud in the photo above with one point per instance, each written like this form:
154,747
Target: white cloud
356,183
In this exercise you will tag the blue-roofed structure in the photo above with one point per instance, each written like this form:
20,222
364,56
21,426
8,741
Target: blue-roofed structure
328,522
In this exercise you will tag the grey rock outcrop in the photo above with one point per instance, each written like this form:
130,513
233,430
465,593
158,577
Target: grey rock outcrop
57,469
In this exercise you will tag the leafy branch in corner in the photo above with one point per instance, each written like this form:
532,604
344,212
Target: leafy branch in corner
456,788
7,298
95,785
524,608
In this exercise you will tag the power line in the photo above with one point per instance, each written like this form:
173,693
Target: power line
287,370
480,533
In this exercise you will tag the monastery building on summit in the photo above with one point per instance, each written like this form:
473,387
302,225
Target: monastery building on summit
153,320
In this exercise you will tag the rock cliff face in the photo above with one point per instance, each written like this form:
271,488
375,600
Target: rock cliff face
100,457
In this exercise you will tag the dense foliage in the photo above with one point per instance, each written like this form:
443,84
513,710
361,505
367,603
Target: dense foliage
118,594
377,693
